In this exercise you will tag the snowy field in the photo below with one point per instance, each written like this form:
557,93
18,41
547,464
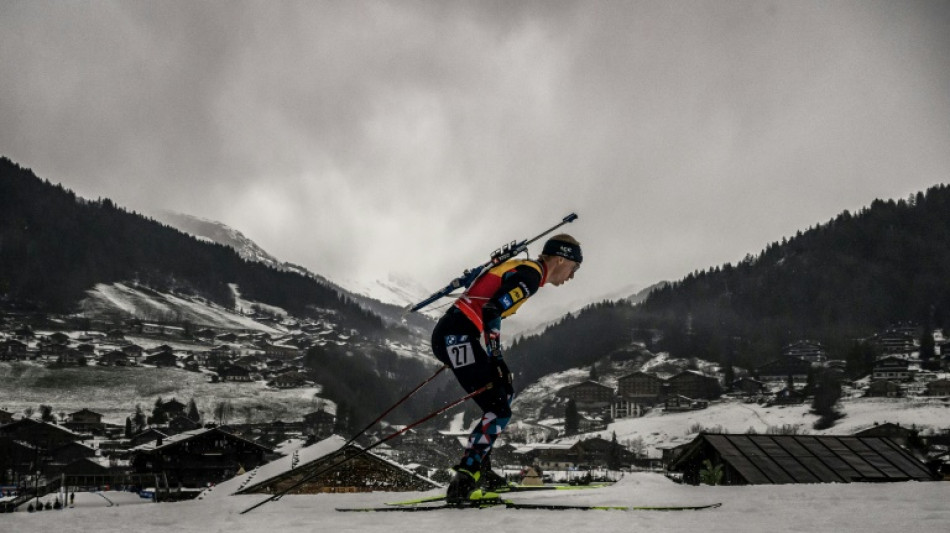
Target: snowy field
868,508
114,392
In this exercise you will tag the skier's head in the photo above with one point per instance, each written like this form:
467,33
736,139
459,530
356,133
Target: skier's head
562,257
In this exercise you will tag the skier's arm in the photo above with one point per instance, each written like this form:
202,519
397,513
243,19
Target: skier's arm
516,286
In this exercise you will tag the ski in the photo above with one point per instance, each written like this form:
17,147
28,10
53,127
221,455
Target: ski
478,504
559,507
506,489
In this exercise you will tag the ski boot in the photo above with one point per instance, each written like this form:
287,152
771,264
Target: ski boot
462,487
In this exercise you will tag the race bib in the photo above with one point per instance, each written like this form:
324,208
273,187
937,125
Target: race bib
461,354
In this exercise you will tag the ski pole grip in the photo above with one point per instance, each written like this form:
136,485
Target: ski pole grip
570,218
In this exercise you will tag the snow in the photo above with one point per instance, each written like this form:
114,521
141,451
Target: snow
869,508
670,429
106,298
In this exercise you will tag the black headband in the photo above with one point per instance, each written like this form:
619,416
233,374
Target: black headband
563,249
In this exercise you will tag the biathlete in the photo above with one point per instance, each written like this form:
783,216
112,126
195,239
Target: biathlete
468,340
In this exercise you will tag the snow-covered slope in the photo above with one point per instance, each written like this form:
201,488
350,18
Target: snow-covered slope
864,507
147,304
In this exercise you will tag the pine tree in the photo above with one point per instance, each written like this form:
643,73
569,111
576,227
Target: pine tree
128,427
193,413
572,419
825,405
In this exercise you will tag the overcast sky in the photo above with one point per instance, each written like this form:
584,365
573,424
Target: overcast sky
361,139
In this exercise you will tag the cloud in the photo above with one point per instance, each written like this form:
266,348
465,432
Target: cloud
363,138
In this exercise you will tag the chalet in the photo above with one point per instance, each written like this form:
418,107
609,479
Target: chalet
590,453
59,338
5,417
290,380
171,409
133,350
235,373
115,335
151,329
115,358
87,349
162,360
810,351
902,436
624,408
895,341
366,472
641,388
85,421
164,348
784,459
181,424
24,333
781,370
588,394
42,434
281,351
891,368
884,389
788,396
678,402
319,423
17,457
694,385
13,350
940,387
197,458
748,386
147,436
71,358
71,451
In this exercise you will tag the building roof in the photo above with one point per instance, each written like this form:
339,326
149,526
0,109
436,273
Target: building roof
779,459
174,440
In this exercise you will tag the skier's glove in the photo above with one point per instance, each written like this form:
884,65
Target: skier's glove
493,343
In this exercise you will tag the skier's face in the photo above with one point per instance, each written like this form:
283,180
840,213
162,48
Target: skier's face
563,271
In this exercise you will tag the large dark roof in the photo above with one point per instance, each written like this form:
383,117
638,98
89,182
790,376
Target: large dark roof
777,459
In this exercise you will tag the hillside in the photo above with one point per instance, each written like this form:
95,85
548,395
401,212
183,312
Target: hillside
57,246
836,282
386,298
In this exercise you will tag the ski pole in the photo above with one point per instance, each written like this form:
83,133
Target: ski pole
363,451
395,405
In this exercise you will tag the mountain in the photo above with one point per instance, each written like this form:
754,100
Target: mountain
835,283
214,231
61,254
381,299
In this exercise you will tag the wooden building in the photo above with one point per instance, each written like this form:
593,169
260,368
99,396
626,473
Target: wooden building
362,472
42,434
783,459
85,421
940,387
641,388
588,394
197,458
781,370
692,384
891,368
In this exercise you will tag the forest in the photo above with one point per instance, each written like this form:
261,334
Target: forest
54,246
836,283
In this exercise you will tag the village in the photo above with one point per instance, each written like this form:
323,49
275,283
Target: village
172,451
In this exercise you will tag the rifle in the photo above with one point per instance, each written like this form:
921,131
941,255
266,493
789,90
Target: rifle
499,256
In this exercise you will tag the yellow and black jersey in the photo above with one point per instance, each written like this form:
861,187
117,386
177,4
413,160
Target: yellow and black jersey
499,292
